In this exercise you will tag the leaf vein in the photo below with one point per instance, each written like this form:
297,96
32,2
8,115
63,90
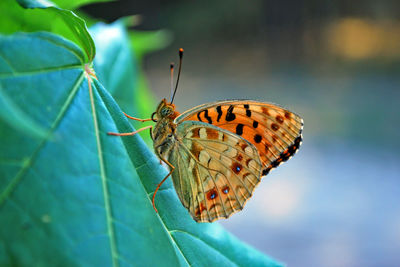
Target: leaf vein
41,71
201,240
7,61
17,178
107,201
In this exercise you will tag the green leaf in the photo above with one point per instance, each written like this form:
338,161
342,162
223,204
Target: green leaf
65,4
73,4
45,15
144,42
82,197
16,118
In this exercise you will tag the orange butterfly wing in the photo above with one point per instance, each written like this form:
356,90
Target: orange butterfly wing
273,130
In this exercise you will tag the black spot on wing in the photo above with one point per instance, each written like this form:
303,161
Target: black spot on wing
198,116
276,163
229,114
248,111
219,113
257,138
284,156
266,171
206,116
239,129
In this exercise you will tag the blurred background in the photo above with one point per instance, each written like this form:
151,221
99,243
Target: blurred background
337,64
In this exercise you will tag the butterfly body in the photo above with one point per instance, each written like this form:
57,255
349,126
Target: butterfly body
218,152
163,134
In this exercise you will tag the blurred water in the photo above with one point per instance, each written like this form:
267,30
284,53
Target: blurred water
337,202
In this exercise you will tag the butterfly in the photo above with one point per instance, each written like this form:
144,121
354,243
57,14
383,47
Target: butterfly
218,152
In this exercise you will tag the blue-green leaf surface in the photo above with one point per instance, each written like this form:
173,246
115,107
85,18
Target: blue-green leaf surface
77,196
16,118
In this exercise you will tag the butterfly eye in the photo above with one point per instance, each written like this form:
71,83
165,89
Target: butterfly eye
166,111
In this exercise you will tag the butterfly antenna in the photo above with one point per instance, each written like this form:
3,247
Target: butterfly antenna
179,73
172,78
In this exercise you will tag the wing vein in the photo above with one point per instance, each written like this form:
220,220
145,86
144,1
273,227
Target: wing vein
204,193
245,167
218,190
218,160
208,169
291,134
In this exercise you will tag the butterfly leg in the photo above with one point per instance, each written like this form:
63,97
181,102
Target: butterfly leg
136,119
163,180
132,133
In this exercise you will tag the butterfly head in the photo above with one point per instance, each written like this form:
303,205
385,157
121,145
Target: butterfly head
164,110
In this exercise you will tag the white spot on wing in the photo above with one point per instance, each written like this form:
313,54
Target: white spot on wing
248,150
203,133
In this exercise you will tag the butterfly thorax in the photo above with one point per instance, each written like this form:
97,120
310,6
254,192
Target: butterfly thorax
163,134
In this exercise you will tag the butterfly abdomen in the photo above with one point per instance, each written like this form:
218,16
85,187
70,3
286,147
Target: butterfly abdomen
163,137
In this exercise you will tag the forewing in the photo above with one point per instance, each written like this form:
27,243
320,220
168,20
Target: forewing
215,172
273,130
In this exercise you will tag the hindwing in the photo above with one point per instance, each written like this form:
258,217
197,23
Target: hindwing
216,171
